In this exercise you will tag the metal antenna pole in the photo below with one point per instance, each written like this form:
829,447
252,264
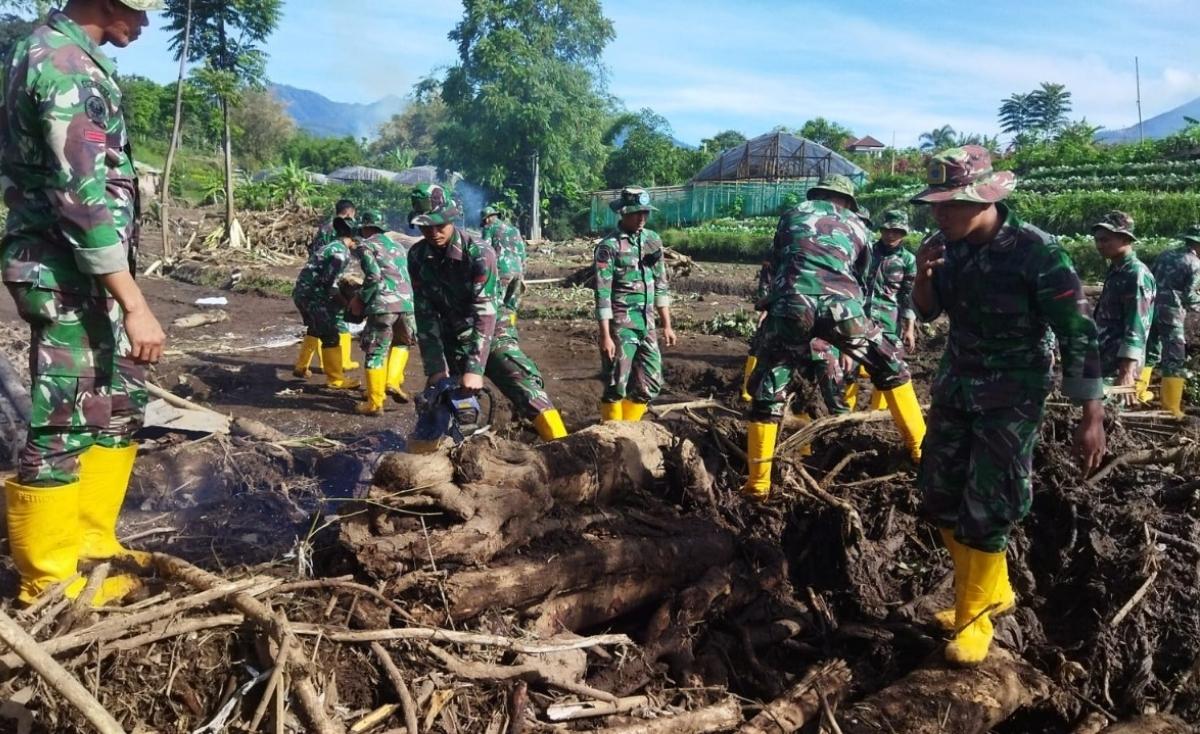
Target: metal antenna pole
1137,74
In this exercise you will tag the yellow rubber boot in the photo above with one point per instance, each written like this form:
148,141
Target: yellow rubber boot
397,361
852,396
375,393
346,341
632,411
1172,395
43,539
906,412
1144,394
611,412
878,400
549,425
972,598
760,447
103,480
751,363
335,377
308,349
1005,599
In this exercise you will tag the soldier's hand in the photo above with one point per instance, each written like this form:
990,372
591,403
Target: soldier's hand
146,336
930,257
910,336
1090,441
847,364
669,338
1127,377
607,346
472,381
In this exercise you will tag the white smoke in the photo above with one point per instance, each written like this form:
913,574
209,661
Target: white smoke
473,199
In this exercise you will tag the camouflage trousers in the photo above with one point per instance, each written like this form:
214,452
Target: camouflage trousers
636,372
1166,346
976,470
383,331
84,391
786,348
322,318
509,369
825,369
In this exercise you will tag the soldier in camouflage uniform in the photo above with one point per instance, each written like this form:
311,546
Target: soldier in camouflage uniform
631,285
69,258
319,299
386,300
1126,306
889,288
310,346
1178,275
816,291
456,286
1002,283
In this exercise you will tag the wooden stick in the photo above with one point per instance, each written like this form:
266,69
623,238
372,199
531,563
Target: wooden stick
335,634
393,673
661,411
810,432
56,676
375,718
719,717
1133,600
177,401
272,684
1169,455
796,708
276,626
591,709
527,672
165,632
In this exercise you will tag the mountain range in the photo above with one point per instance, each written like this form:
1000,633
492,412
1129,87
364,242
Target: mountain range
1157,127
321,116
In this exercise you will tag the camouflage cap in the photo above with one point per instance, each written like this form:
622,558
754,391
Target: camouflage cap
144,5
895,219
1116,221
965,174
865,215
836,183
344,226
372,218
488,211
633,199
1192,236
433,206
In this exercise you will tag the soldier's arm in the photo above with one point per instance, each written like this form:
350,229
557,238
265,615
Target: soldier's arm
662,287
926,300
904,296
74,121
484,297
429,332
603,263
1061,301
1139,310
1191,297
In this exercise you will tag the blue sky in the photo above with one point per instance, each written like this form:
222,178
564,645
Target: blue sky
878,67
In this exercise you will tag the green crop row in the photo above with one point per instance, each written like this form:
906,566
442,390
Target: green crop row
1155,182
1156,214
1113,169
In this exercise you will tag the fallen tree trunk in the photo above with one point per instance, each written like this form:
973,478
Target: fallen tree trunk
1156,724
802,703
495,492
942,699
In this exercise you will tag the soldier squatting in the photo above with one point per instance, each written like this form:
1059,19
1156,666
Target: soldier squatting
832,303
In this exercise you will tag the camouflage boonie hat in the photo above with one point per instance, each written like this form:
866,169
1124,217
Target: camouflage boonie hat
1192,236
144,5
633,199
965,174
838,184
865,215
1117,221
433,206
488,211
895,219
372,218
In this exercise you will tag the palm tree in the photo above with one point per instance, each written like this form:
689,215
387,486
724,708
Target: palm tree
1016,113
1050,104
942,137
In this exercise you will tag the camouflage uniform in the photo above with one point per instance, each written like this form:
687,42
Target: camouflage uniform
1177,273
387,298
821,259
990,390
72,195
889,289
316,293
631,282
1123,313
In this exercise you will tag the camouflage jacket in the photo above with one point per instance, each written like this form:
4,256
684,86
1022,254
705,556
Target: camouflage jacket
68,176
324,234
819,249
386,286
320,275
506,240
455,292
889,286
1001,297
1124,312
1177,273
631,276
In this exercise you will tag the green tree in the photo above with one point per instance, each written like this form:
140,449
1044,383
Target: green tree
141,104
1016,114
411,137
36,8
12,29
938,139
261,125
323,154
1050,104
722,141
991,143
226,35
528,82
643,152
827,133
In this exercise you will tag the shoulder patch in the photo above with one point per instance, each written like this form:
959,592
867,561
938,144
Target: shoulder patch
96,109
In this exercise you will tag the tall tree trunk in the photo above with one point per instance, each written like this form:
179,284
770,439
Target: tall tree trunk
228,172
164,196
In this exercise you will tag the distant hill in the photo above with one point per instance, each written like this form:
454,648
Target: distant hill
1155,128
319,115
